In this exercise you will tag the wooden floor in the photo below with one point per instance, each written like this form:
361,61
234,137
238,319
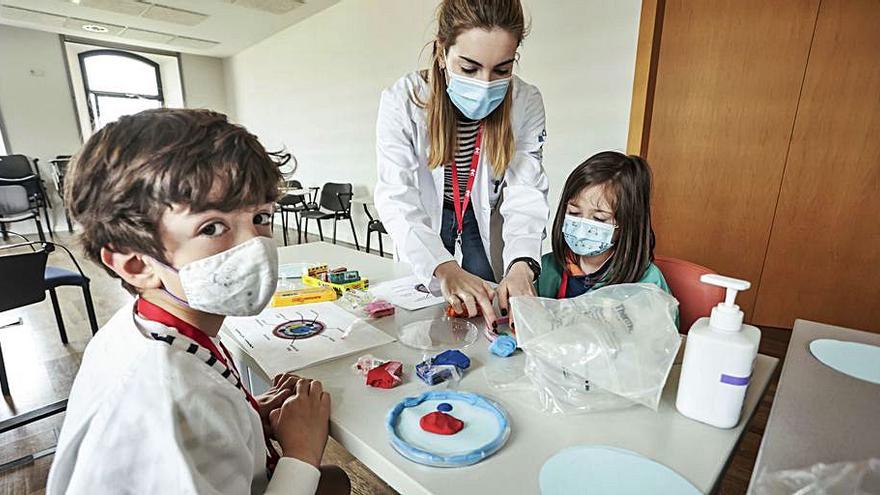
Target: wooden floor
41,370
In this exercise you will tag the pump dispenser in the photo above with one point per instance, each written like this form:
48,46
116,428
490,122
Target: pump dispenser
719,356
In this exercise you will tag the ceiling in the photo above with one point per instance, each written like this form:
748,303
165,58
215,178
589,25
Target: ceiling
207,27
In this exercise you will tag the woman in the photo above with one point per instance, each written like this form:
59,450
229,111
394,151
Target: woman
459,150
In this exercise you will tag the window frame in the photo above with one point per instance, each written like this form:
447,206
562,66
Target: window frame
94,112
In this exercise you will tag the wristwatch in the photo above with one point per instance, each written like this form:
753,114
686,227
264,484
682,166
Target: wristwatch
534,265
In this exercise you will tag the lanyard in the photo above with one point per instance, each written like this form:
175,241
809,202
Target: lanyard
461,205
563,286
154,313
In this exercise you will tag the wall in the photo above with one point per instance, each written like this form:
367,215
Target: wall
315,87
38,111
37,107
203,82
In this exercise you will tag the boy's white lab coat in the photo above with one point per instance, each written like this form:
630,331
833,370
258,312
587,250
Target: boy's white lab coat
144,417
409,197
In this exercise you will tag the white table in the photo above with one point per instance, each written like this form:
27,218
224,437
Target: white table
699,452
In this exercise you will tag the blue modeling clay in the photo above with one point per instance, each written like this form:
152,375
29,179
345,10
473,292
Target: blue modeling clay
454,357
444,407
433,374
503,346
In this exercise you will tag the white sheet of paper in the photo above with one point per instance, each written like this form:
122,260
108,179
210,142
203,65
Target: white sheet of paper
403,292
276,354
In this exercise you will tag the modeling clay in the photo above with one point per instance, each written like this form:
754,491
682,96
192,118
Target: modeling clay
440,422
386,375
503,346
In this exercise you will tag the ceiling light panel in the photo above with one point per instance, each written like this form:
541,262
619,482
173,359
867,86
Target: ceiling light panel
128,7
149,36
196,43
34,16
73,23
165,13
273,6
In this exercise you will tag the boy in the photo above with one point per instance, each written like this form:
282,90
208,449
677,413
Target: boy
178,204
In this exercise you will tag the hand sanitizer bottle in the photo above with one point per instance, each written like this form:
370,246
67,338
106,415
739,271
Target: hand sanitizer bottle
718,358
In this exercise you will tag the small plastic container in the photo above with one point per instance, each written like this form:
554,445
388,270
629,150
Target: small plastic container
438,335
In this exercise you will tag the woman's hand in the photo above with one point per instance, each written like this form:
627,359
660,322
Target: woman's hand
465,291
518,282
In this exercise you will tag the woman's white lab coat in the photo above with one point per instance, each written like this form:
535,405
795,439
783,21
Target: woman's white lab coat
144,417
409,197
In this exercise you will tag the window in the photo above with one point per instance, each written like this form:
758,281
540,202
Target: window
119,83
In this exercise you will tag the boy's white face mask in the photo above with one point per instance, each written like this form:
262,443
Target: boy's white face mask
237,282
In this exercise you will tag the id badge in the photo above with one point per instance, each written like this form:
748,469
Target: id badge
457,250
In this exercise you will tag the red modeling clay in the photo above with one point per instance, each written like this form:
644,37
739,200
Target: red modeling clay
441,423
385,375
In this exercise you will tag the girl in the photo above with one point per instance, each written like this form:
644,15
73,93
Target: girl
602,232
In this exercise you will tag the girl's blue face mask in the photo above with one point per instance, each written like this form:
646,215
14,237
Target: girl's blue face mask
587,237
475,98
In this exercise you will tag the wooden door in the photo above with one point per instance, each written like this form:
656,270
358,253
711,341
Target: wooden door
823,262
728,76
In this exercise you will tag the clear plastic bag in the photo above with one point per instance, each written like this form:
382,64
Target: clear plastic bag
849,478
608,349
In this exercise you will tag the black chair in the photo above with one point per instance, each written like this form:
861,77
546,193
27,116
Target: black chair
336,200
27,278
21,170
291,203
374,225
59,170
16,207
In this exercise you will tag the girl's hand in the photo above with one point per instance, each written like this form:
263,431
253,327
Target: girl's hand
518,282
464,292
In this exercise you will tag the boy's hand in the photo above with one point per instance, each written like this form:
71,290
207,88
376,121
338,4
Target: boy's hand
302,423
282,387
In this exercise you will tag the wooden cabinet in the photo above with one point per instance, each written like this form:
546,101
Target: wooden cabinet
761,121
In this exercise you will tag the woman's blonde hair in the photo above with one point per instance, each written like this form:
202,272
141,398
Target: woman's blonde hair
453,18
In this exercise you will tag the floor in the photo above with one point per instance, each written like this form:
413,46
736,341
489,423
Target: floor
41,370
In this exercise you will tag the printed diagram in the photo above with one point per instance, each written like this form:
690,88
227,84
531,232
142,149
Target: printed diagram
408,293
293,337
306,325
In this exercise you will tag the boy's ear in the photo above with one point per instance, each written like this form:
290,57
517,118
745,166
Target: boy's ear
132,268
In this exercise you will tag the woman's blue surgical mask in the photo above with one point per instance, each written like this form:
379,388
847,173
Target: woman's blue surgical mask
587,237
475,98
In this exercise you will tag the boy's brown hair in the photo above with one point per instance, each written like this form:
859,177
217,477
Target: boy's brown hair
128,173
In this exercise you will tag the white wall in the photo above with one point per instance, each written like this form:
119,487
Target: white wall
204,84
315,86
38,109
34,94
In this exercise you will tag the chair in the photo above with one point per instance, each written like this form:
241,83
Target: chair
695,299
21,170
27,278
291,203
59,170
15,207
336,200
374,225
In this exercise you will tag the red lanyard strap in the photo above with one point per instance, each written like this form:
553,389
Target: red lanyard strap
461,205
155,313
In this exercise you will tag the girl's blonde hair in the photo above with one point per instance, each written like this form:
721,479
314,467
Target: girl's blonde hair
453,18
